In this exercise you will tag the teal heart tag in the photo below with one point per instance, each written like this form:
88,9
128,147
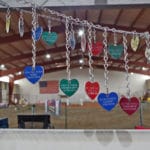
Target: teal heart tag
49,38
115,51
69,87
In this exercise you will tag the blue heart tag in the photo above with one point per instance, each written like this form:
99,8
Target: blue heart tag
108,101
72,41
37,33
33,74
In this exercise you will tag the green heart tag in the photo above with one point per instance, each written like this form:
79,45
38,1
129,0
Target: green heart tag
49,38
69,87
115,51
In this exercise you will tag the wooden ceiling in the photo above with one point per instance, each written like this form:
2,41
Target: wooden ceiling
16,51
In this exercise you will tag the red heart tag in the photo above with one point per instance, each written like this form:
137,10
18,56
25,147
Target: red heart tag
97,48
129,106
92,89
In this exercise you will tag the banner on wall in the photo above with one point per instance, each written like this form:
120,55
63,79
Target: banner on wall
53,107
49,87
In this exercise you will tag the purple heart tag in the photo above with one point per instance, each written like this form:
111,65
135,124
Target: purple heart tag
33,74
37,33
108,101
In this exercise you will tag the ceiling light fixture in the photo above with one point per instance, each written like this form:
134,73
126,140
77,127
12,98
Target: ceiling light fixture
48,56
80,32
81,61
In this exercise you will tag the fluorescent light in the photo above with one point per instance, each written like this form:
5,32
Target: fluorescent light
80,32
81,67
143,68
2,66
132,73
48,56
81,61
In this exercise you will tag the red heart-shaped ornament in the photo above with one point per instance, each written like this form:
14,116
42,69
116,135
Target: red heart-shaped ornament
92,89
97,48
129,105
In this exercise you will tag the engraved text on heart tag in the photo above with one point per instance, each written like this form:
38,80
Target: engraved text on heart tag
115,51
92,89
108,101
129,106
33,74
69,87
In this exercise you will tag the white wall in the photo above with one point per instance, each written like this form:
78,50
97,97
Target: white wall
117,83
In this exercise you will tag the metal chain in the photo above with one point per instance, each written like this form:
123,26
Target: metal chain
49,26
105,60
147,40
126,64
91,70
34,25
21,24
67,49
115,38
94,35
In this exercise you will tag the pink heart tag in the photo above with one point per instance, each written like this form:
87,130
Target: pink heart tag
92,89
97,48
129,106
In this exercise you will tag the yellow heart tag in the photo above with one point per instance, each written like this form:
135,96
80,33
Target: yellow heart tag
135,43
7,24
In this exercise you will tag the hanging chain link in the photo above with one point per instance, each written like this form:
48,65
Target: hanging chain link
49,26
105,60
126,64
115,38
8,13
94,35
91,69
147,40
67,49
34,25
21,15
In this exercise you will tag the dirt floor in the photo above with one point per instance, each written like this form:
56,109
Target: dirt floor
88,116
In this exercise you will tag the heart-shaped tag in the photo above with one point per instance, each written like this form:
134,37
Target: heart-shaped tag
72,41
135,43
37,33
147,52
69,87
97,48
49,38
115,51
83,42
129,106
92,89
33,74
108,101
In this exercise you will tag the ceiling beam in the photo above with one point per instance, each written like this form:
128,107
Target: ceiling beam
38,53
17,69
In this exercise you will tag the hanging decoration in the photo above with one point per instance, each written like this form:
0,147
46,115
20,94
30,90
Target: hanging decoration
8,18
115,50
97,47
21,24
128,104
72,40
68,86
135,42
92,88
37,32
147,50
83,41
49,37
107,100
34,73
